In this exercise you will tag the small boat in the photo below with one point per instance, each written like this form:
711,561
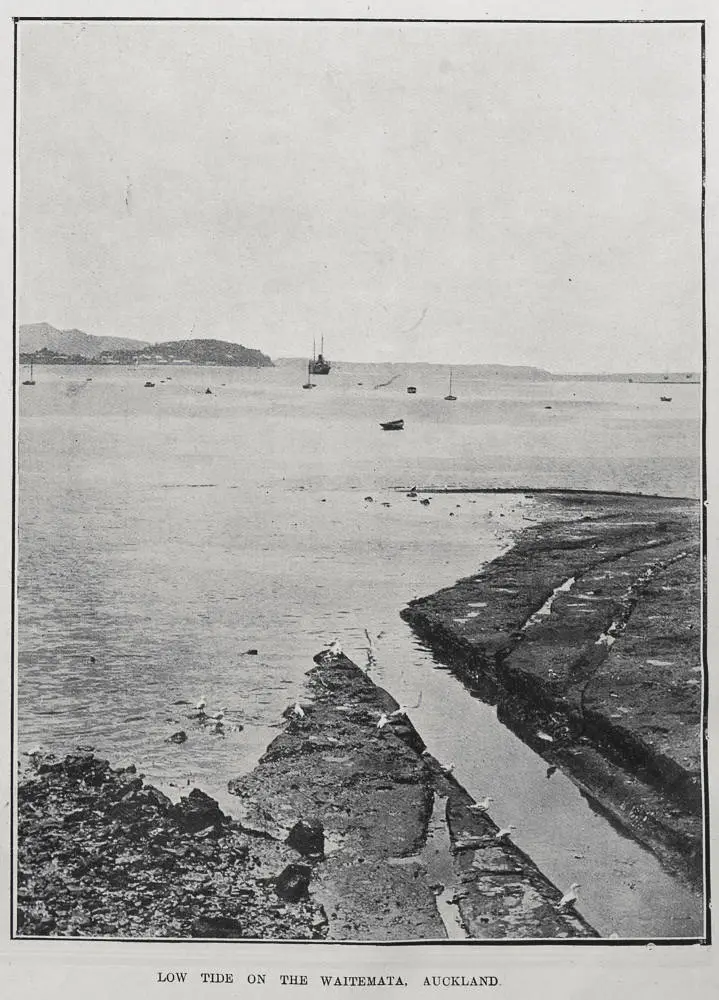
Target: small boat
666,399
208,392
450,397
149,385
319,365
411,389
393,425
31,380
309,384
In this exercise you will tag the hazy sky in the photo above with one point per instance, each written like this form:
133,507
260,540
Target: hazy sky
517,194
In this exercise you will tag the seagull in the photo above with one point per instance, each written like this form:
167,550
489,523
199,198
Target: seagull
298,710
200,706
569,898
447,768
483,805
334,648
383,721
505,833
403,709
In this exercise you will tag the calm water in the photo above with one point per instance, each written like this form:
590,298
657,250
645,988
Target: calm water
163,532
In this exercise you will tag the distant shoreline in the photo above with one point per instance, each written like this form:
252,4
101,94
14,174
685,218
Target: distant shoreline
509,373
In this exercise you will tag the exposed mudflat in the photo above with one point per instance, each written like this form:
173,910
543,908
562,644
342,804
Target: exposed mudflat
587,635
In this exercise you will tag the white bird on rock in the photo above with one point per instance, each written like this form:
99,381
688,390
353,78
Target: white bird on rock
447,768
505,833
334,648
383,721
569,898
404,709
200,706
298,710
482,805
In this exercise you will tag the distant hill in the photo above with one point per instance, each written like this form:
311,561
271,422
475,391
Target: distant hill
195,352
45,344
42,336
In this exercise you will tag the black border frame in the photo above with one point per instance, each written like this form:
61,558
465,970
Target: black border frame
545,942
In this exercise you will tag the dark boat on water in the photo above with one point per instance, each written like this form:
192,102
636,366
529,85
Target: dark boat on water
666,399
319,365
393,425
411,389
149,385
450,397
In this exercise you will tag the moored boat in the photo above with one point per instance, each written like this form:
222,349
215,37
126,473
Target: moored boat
392,425
319,365
450,397
309,384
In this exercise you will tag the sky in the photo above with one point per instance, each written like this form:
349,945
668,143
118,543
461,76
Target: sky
500,194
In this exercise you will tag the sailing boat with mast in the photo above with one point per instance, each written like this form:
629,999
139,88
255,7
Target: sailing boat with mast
450,397
31,380
319,365
309,384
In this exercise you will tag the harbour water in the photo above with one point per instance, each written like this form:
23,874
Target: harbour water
164,532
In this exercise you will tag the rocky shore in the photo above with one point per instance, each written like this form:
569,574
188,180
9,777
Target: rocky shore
102,854
587,637
348,831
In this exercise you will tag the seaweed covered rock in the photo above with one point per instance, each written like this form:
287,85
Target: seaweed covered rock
101,854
